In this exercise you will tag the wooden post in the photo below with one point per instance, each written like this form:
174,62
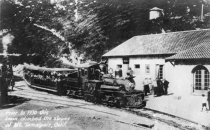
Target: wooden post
3,82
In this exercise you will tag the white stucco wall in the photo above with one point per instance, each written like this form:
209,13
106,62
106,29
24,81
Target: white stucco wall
180,77
140,74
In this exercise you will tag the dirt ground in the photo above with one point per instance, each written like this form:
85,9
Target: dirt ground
42,115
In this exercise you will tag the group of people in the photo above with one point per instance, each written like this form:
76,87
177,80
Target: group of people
159,88
44,78
162,87
118,73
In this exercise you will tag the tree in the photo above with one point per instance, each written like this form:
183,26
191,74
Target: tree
91,27
104,25
35,44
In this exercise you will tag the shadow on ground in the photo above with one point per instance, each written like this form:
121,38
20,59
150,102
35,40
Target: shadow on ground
14,101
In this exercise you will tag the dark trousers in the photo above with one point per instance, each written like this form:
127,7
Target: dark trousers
160,91
209,104
155,90
165,90
4,89
146,89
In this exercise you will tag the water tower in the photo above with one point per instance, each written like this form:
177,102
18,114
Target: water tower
155,13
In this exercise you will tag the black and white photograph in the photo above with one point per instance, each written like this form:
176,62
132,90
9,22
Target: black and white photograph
104,64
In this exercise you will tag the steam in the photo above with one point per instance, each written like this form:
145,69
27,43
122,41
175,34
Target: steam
6,40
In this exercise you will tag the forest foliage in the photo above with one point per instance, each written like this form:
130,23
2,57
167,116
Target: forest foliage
91,27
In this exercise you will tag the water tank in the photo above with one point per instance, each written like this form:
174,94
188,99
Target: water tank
155,13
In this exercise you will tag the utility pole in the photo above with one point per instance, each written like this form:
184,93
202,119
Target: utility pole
202,18
4,82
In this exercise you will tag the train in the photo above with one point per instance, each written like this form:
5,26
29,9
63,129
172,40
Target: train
85,81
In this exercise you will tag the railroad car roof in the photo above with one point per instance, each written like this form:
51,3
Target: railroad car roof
86,65
48,69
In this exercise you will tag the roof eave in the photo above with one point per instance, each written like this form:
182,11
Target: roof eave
179,59
141,55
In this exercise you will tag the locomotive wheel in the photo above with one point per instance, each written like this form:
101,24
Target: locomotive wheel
131,101
59,91
93,99
121,102
134,101
85,97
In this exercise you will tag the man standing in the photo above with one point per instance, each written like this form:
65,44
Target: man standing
4,83
208,98
165,86
159,87
146,86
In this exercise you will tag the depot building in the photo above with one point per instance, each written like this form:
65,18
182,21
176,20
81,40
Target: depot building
182,58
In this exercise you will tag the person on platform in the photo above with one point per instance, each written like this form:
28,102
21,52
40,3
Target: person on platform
130,78
159,87
204,105
208,99
118,72
165,86
146,86
154,84
130,71
110,72
4,83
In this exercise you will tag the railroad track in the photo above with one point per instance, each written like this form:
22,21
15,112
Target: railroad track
64,101
171,120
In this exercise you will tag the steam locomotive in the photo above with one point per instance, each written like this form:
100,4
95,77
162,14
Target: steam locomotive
87,82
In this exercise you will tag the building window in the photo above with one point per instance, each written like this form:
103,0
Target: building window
119,66
147,68
198,78
206,82
137,66
201,78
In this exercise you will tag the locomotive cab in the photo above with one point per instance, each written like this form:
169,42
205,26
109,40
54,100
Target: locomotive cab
86,73
90,79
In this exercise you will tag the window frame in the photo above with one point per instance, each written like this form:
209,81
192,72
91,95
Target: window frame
201,80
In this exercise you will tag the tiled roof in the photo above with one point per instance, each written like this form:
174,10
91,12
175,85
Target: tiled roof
201,51
167,43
